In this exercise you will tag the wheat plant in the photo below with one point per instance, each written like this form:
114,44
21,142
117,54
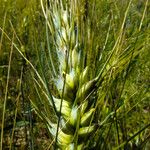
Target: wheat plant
86,73
84,109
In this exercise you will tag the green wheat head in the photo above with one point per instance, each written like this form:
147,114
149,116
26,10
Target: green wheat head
72,82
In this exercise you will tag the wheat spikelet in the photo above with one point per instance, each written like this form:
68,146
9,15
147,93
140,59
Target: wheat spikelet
72,82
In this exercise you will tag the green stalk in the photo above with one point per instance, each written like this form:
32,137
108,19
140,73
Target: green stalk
6,93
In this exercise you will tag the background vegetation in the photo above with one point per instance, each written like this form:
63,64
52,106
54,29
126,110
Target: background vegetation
23,23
